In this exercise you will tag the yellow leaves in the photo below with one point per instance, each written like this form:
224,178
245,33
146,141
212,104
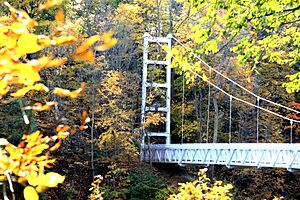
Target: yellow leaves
30,193
46,62
3,178
153,119
205,78
28,162
17,40
65,40
23,91
20,16
45,41
41,188
107,40
67,93
43,182
50,4
52,179
18,28
202,189
3,88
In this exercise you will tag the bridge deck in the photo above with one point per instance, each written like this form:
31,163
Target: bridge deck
280,155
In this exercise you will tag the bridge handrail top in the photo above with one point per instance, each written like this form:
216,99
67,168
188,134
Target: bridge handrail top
237,146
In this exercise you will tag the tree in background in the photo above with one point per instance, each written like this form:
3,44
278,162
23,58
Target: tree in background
20,75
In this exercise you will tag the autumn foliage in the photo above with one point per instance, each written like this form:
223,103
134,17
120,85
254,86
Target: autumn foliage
202,188
19,75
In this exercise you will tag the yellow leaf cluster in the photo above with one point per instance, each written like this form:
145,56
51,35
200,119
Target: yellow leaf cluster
153,119
27,161
29,155
67,93
19,75
40,182
17,40
203,189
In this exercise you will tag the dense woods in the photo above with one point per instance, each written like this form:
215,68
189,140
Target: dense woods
70,95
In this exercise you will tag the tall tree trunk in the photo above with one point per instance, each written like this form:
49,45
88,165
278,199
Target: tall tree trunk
198,100
171,16
200,115
216,118
215,101
158,2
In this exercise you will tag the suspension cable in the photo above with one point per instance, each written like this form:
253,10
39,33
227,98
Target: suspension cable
291,132
182,108
232,81
242,100
208,106
230,118
257,120
234,97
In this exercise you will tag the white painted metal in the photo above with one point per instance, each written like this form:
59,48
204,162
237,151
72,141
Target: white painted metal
168,82
159,109
161,134
167,85
144,81
258,155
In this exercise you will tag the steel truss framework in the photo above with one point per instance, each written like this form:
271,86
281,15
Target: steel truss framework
233,154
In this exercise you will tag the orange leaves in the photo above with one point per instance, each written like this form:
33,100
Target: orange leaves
87,56
67,93
60,17
85,119
40,107
87,44
295,104
62,131
84,52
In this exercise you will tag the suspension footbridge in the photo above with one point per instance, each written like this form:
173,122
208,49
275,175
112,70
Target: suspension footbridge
281,155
